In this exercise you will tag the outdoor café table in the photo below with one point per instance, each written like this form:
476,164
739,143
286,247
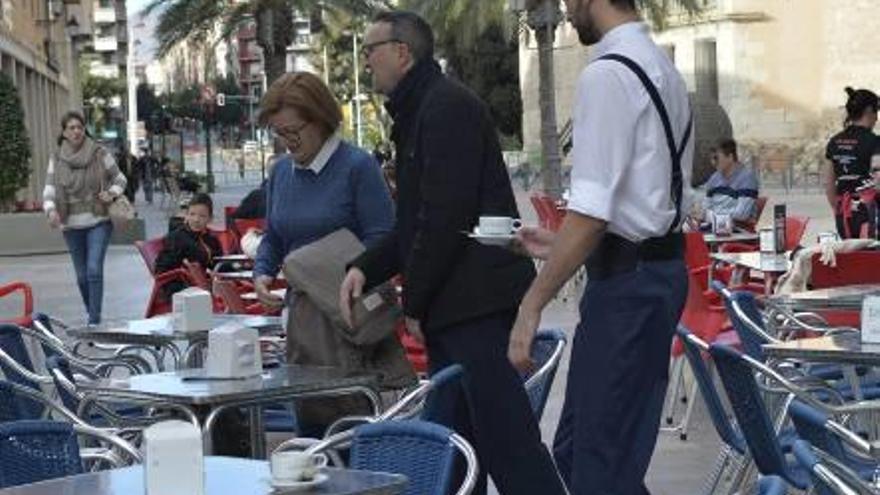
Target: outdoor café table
714,240
242,275
223,476
770,264
208,397
233,258
844,298
158,332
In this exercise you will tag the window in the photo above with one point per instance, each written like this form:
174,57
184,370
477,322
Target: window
706,69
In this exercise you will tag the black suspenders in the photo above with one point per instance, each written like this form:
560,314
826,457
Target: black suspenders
675,152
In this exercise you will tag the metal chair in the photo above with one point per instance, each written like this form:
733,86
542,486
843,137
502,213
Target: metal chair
547,349
771,485
32,451
27,300
828,476
422,451
18,402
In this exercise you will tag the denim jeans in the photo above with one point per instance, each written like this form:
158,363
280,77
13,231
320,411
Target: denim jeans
88,248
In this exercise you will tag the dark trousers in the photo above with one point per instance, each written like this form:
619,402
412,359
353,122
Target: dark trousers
617,379
88,248
492,410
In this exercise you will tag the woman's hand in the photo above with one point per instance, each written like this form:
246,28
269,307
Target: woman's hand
269,301
352,287
54,219
105,196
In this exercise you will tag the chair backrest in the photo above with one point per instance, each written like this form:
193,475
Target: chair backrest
12,343
745,316
226,291
15,406
859,267
795,226
423,452
760,203
149,251
810,423
750,411
197,275
443,396
65,382
772,485
547,348
35,450
228,240
828,478
696,252
698,315
720,420
27,295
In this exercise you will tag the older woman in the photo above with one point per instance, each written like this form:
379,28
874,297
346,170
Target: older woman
322,185
82,180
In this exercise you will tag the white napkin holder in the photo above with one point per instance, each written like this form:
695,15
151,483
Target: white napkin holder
192,310
173,459
871,320
234,352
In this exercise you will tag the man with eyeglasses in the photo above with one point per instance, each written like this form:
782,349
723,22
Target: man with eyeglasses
459,296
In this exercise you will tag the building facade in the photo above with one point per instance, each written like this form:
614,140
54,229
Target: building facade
36,54
777,67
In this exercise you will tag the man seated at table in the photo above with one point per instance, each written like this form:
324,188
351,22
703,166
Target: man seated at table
190,241
733,188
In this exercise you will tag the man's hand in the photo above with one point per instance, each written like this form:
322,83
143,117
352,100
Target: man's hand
54,219
269,301
352,287
537,242
105,196
519,349
414,328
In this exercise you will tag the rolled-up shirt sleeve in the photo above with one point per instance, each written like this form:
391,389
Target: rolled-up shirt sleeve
603,147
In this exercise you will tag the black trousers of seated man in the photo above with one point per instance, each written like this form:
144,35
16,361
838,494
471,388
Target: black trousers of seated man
492,409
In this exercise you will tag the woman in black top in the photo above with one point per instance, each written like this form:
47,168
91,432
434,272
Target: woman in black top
849,153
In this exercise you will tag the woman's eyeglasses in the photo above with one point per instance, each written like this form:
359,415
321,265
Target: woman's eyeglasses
290,134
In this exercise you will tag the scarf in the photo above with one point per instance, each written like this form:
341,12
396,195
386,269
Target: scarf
79,177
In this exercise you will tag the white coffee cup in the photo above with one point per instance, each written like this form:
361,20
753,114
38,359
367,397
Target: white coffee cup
498,225
292,465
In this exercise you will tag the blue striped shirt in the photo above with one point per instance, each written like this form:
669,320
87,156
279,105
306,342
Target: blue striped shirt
735,196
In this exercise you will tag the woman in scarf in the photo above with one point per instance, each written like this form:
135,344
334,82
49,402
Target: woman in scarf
81,182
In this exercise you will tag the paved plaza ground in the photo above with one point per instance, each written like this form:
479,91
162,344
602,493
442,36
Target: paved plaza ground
677,467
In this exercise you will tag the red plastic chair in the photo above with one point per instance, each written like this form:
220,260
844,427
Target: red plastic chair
241,226
149,250
228,211
227,292
750,224
27,294
229,242
795,227
860,267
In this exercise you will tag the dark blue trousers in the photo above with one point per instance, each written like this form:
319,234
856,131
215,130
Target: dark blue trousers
617,379
492,411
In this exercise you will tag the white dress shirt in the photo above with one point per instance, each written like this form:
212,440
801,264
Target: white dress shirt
621,164
323,156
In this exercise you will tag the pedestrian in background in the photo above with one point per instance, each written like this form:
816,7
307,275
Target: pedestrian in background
81,181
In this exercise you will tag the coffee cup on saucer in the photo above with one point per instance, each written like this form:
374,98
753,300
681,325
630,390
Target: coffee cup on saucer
498,225
291,466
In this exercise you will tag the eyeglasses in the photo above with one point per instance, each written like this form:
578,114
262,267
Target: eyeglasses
368,48
290,134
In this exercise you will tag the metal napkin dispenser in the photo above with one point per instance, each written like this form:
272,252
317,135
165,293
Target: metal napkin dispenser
234,352
192,310
173,459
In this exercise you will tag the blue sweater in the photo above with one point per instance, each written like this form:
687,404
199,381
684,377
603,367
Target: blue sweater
302,207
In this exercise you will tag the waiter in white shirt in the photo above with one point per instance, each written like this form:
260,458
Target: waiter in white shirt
632,161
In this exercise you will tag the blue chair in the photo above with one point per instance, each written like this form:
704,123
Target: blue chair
547,349
36,450
828,476
751,415
771,485
423,452
822,432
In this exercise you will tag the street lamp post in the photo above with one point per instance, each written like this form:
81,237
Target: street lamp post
357,90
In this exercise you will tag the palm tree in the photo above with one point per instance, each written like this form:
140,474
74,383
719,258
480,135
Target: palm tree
195,20
460,18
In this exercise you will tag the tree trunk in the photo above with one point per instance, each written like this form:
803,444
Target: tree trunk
544,21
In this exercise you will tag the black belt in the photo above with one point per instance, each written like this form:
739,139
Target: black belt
616,255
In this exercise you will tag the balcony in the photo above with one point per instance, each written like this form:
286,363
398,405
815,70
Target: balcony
106,43
105,15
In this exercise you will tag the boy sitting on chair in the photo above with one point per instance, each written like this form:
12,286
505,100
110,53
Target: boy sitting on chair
191,241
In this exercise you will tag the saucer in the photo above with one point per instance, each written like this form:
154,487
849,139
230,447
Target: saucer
491,239
296,486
